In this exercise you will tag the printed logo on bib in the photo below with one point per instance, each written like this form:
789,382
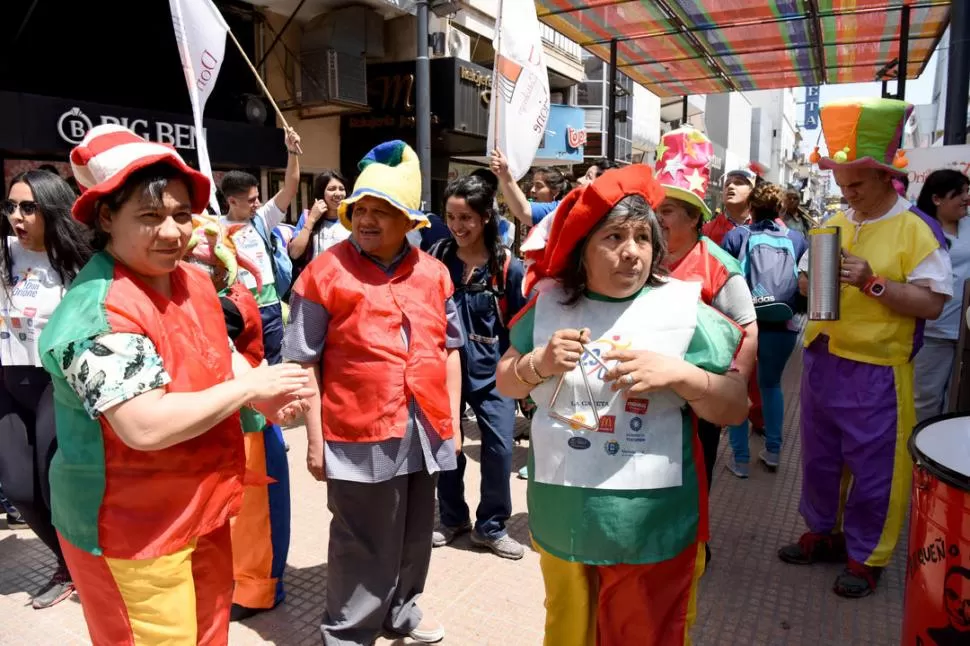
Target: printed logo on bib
607,424
579,443
612,447
592,361
637,406
636,424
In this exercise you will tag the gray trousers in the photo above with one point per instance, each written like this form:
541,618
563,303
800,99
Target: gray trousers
931,384
380,548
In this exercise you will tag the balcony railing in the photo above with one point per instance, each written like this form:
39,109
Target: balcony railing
560,42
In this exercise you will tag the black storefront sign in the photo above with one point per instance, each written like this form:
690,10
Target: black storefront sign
38,125
460,93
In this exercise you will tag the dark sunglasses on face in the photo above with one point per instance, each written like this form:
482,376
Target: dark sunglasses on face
27,207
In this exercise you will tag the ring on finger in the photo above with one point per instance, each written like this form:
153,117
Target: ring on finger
627,380
845,272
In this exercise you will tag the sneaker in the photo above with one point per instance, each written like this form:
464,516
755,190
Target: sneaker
524,473
857,581
815,548
504,546
15,520
428,631
739,469
444,535
60,587
769,459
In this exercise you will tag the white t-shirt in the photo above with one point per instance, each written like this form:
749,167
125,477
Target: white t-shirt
329,234
934,272
250,244
26,306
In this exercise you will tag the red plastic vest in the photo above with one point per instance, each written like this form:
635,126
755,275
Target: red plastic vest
719,227
368,374
250,341
700,265
157,501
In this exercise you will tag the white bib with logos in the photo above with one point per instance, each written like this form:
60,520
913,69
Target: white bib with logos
638,443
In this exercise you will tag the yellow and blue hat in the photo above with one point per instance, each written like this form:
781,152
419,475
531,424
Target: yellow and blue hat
389,172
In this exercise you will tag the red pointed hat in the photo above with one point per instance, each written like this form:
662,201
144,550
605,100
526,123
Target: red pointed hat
581,211
109,154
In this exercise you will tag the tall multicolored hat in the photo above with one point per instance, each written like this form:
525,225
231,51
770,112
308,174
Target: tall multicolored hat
390,172
864,133
684,166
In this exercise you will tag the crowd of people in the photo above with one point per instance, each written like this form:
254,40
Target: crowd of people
151,352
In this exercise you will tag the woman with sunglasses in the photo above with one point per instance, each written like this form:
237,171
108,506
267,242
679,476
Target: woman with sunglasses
42,248
621,361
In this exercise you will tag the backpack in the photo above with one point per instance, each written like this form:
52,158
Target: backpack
769,265
443,247
280,259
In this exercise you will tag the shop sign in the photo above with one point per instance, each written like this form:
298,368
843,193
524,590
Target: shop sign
75,123
565,136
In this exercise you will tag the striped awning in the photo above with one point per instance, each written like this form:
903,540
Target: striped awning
678,47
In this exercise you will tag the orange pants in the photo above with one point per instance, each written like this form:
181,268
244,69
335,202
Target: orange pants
178,598
646,605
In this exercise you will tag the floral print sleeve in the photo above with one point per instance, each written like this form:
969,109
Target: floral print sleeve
110,369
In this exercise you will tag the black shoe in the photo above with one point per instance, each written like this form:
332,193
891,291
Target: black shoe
15,520
59,588
857,581
239,613
815,548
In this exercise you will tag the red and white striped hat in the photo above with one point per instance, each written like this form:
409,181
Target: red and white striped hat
110,153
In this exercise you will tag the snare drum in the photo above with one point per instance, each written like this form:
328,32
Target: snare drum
937,604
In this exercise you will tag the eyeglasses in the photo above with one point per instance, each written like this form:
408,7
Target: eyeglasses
27,207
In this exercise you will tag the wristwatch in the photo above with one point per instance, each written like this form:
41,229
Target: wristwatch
876,287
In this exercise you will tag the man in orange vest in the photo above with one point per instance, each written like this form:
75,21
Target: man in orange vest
374,318
738,185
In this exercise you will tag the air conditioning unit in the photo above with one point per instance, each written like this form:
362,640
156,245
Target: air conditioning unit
332,78
450,42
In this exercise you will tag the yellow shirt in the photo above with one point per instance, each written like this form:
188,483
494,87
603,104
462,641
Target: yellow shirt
867,330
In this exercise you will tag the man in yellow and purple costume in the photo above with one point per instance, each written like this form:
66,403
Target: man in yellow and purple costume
857,408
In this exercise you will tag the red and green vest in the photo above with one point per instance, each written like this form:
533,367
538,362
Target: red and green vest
107,498
707,264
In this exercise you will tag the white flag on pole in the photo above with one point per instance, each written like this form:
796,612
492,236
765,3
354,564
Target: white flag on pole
200,32
519,108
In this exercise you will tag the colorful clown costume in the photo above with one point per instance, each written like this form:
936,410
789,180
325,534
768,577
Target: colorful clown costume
639,468
857,410
145,533
262,529
857,390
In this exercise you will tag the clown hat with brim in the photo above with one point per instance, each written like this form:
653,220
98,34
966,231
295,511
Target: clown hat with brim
684,167
864,133
389,172
582,209
109,154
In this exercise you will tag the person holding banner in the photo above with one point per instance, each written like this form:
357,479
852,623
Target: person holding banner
857,410
374,318
256,240
945,197
149,465
621,362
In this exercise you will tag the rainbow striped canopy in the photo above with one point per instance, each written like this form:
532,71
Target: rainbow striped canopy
684,47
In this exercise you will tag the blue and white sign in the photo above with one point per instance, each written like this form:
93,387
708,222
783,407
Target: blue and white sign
811,107
564,138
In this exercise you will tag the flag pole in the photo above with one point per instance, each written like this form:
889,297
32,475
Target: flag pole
262,85
498,48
